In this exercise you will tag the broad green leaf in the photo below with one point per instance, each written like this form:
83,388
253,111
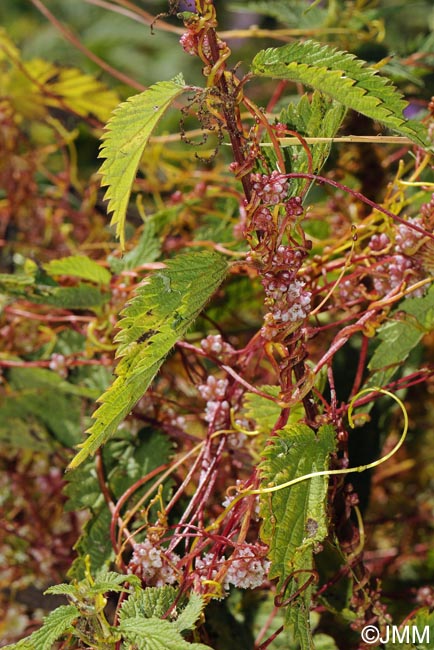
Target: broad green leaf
409,323
43,407
341,75
55,625
154,602
79,266
295,518
127,133
156,634
45,379
266,412
157,317
83,296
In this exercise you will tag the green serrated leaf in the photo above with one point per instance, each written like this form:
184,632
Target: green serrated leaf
148,603
188,616
156,634
94,542
316,117
79,266
63,589
294,518
127,133
161,312
106,581
55,625
148,249
126,461
344,77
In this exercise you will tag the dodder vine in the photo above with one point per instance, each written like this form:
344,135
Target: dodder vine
254,496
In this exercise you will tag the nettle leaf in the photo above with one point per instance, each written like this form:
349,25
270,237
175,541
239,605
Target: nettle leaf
79,266
127,133
190,614
157,317
156,634
55,625
94,542
315,117
344,77
152,601
148,249
408,324
295,518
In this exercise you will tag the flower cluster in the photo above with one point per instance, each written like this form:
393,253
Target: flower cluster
247,567
294,207
270,189
427,210
153,565
399,265
214,345
263,220
407,239
394,272
288,300
217,408
58,364
189,43
286,258
379,242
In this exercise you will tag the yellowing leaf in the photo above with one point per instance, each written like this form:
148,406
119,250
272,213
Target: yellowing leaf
40,84
126,136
